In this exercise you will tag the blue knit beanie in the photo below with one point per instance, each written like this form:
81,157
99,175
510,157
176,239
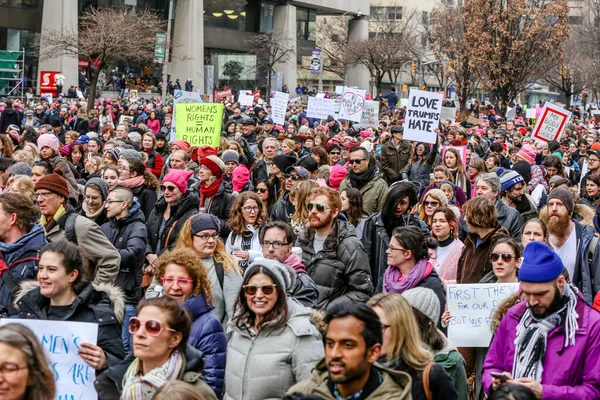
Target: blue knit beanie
509,179
540,263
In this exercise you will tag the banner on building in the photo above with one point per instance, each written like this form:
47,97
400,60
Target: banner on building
315,62
422,116
199,124
47,81
551,123
160,48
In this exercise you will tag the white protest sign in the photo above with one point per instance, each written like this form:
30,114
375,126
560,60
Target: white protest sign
530,113
320,95
320,108
422,116
511,113
339,90
471,307
370,115
403,102
448,113
61,340
551,123
352,104
279,107
246,99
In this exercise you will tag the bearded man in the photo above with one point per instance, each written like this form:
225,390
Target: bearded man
575,243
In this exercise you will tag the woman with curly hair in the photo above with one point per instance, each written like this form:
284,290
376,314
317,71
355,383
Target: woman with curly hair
247,216
300,197
185,279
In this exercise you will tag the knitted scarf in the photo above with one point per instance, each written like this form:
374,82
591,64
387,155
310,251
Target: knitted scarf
358,181
132,183
393,281
48,225
532,333
136,387
209,191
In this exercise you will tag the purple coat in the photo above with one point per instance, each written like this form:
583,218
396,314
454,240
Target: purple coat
569,373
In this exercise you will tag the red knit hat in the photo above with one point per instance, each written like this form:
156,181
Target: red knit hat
55,183
179,178
214,164
182,144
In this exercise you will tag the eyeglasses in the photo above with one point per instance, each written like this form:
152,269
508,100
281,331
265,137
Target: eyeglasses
335,153
593,160
152,326
431,203
164,188
115,201
206,237
251,209
251,290
42,195
8,368
293,176
320,207
261,190
276,245
505,257
169,280
357,161
392,248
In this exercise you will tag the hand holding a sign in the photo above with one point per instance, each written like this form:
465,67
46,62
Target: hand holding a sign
93,355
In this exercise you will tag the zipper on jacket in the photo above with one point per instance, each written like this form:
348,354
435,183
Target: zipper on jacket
246,364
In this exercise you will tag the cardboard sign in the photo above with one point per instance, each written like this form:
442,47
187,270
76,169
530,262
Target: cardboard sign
180,97
279,107
320,108
551,123
352,104
471,307
133,93
422,116
370,115
462,150
199,123
61,341
448,114
126,120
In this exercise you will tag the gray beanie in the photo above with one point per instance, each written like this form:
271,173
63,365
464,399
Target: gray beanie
426,301
20,168
284,274
100,184
130,153
204,222
230,155
565,195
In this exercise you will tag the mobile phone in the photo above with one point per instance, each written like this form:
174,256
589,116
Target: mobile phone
89,155
502,377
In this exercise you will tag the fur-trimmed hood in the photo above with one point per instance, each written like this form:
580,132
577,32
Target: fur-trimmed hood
502,309
92,295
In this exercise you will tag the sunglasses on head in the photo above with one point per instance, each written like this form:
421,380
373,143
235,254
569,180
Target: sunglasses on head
251,290
505,257
320,207
164,188
152,326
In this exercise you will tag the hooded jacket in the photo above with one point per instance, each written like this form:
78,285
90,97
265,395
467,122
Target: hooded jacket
128,235
475,263
341,268
206,335
99,217
102,304
395,385
9,116
21,257
304,290
454,364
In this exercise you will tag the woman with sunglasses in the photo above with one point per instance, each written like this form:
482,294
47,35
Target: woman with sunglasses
200,233
274,344
184,278
408,264
432,201
264,189
134,175
247,216
161,354
506,259
63,293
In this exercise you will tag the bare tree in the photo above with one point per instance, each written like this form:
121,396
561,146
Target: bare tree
106,35
332,39
271,49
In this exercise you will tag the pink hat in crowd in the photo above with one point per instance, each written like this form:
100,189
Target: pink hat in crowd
337,175
182,144
48,140
527,153
179,178
365,134
240,177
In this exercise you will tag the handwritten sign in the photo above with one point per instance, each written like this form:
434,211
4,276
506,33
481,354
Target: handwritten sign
181,96
126,120
199,123
279,106
246,99
448,113
551,123
61,341
352,104
370,116
422,116
320,108
132,93
511,113
471,307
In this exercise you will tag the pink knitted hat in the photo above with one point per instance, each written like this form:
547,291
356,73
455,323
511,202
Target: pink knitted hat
179,178
48,140
527,153
336,176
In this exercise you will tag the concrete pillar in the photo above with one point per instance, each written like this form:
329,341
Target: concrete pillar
187,61
284,26
60,15
358,30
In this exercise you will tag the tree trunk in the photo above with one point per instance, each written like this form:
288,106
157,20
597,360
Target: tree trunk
94,73
269,82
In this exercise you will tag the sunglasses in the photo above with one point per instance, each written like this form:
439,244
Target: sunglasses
505,257
431,203
293,176
261,190
164,188
152,326
335,153
320,207
251,290
357,161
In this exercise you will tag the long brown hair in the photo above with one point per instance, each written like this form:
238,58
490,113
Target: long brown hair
236,218
302,194
355,211
150,180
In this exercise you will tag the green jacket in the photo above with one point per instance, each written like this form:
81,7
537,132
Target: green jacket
396,385
454,364
372,193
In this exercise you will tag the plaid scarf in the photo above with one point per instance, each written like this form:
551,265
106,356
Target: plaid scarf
144,387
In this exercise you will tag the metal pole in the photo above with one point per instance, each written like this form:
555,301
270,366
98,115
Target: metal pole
165,70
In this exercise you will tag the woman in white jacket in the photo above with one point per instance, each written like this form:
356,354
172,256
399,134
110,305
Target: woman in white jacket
246,217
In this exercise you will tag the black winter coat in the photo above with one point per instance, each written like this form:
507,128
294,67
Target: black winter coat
440,383
102,304
341,269
9,116
147,199
128,235
283,209
220,207
186,207
305,291
260,172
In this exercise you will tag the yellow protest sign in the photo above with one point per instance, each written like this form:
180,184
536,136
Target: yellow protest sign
199,124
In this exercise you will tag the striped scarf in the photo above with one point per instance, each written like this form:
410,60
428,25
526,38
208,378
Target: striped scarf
144,387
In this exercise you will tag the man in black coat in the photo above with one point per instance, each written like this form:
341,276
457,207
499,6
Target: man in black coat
126,230
10,116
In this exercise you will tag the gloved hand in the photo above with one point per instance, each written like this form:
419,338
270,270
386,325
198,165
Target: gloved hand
576,167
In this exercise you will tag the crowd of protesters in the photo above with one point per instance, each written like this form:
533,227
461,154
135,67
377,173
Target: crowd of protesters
308,260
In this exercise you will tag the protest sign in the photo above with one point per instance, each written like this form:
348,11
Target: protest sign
596,115
370,115
61,341
199,124
132,94
403,102
223,94
126,120
320,108
246,99
422,116
352,104
551,123
339,90
80,94
472,120
471,307
279,107
181,96
511,113
320,95
448,113
462,150
530,113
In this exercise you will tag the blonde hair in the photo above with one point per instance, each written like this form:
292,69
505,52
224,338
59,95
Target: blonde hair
405,338
23,156
437,195
24,184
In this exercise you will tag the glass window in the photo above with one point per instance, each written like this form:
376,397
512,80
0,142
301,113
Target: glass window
394,13
378,13
266,17
301,23
312,25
